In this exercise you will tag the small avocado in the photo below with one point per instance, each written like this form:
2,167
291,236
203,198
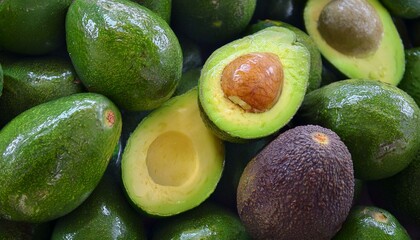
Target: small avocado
32,27
124,51
212,22
30,81
300,186
378,122
207,221
358,37
373,223
106,214
53,155
252,87
411,80
172,162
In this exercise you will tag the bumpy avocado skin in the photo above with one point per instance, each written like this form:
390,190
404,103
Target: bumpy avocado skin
160,7
411,79
377,121
54,155
32,27
30,81
297,188
123,51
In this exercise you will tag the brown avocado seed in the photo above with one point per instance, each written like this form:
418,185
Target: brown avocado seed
351,27
253,81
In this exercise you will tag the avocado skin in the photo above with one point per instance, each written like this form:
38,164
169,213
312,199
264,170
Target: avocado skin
297,189
411,79
106,214
378,122
30,81
32,27
207,221
160,7
54,155
10,230
134,59
407,9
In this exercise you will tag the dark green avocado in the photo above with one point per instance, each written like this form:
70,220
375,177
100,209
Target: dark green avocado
411,79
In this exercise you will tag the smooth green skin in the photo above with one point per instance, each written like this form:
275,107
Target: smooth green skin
212,22
385,64
106,214
30,81
229,121
400,193
361,224
411,79
54,154
378,122
189,80
301,36
408,9
25,231
207,221
123,51
160,7
32,27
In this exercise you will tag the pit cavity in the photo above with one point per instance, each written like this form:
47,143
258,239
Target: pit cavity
253,81
171,159
352,27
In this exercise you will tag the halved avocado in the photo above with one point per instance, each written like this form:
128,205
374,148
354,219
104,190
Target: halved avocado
252,87
172,162
358,37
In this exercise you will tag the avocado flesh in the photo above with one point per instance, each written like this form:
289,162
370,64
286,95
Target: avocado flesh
227,119
172,162
384,62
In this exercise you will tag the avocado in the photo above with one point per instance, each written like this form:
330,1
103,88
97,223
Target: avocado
188,81
207,221
191,53
300,186
411,79
252,87
11,230
160,7
358,37
316,60
172,162
106,214
54,154
373,223
407,9
30,81
378,122
124,51
211,22
32,27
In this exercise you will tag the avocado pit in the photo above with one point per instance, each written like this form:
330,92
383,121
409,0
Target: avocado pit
351,27
253,81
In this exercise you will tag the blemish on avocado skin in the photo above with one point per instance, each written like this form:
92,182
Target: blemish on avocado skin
109,118
217,23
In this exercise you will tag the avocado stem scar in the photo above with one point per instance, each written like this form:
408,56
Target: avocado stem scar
110,118
320,138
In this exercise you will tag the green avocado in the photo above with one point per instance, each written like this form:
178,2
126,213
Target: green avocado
378,122
411,80
358,37
160,7
53,155
407,9
252,87
300,186
106,214
207,221
373,223
32,27
124,51
172,162
30,81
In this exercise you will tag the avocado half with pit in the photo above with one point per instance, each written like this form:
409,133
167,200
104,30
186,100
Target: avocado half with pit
172,162
252,87
358,37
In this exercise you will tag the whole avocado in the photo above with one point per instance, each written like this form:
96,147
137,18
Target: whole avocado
300,186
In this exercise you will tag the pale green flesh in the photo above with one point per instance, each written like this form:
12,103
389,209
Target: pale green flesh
172,162
385,64
232,119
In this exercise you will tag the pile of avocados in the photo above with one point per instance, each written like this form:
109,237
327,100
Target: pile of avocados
225,120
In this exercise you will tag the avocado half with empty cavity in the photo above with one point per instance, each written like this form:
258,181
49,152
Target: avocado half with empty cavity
252,87
358,37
